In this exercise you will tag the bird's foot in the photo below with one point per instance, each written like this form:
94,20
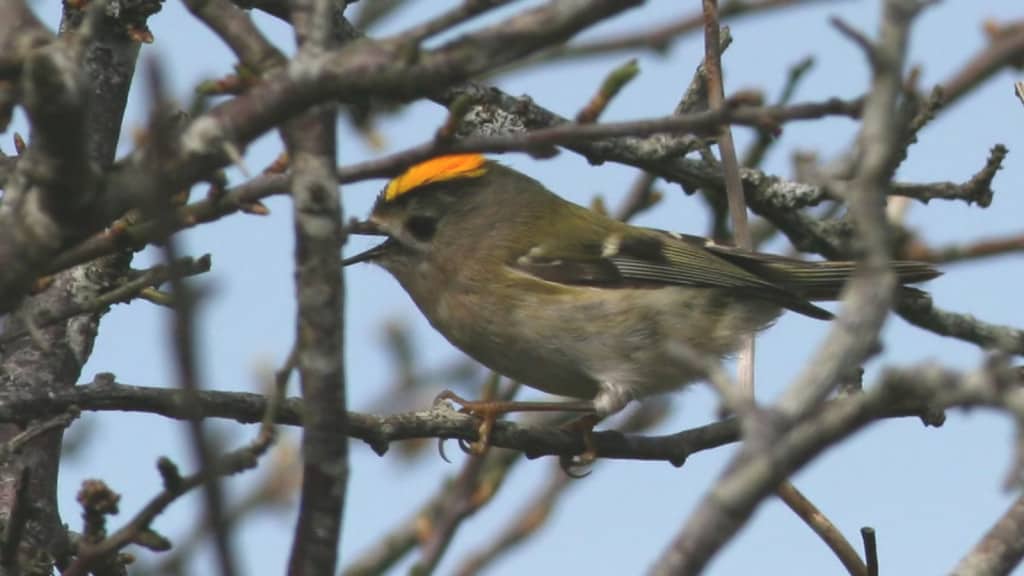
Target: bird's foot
487,411
578,466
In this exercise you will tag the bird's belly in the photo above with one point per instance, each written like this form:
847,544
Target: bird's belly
571,344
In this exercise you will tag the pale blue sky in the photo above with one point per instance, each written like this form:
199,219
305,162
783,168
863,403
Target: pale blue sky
929,493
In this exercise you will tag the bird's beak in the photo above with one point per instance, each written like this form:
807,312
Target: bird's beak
367,228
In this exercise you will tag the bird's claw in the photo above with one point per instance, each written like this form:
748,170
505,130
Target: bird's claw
479,409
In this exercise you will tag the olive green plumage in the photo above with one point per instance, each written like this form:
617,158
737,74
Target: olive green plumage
575,303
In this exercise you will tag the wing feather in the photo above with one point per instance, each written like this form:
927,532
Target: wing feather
655,258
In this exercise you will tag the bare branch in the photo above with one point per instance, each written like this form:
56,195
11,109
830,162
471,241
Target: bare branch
124,292
175,486
311,141
967,252
1006,48
183,327
438,422
660,39
742,487
920,312
235,28
976,190
1001,549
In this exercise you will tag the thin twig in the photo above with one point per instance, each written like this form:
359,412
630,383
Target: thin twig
1004,50
176,486
183,329
870,550
526,523
750,477
758,149
823,527
659,39
133,288
465,11
731,174
976,190
967,252
614,82
642,196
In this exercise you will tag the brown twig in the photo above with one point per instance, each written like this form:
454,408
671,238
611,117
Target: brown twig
176,486
731,175
230,463
461,498
233,25
526,524
136,236
274,489
610,87
659,39
423,525
823,527
183,328
465,11
967,252
1003,50
642,196
755,154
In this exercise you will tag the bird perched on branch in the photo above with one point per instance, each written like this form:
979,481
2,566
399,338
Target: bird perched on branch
572,302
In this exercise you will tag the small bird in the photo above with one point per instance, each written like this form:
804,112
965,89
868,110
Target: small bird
572,302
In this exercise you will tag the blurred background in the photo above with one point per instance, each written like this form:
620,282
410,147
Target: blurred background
929,493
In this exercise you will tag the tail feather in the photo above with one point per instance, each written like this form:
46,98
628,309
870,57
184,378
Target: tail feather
824,280
817,280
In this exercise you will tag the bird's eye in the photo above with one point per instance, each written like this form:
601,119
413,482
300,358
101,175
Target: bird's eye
422,228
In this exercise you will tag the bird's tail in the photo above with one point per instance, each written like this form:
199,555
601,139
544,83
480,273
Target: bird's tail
825,280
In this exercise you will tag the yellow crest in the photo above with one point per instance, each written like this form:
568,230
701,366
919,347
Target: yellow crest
438,169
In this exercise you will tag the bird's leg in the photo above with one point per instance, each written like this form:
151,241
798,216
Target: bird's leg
584,426
489,411
612,396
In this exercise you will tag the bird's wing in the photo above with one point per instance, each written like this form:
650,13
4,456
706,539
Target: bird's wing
650,258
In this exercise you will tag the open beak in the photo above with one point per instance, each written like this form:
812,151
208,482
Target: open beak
367,228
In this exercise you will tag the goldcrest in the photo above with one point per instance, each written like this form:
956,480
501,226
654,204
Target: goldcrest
572,302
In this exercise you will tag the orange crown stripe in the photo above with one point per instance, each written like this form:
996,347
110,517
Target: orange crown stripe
434,170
